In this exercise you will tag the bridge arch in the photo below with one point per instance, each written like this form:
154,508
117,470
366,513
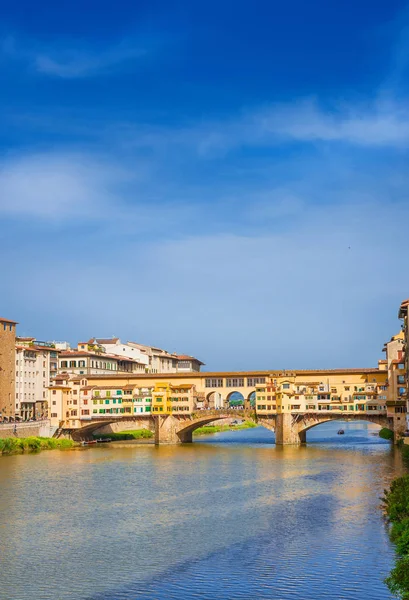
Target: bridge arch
235,398
308,422
186,429
214,399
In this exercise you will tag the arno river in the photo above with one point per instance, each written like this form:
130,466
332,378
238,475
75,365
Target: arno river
230,516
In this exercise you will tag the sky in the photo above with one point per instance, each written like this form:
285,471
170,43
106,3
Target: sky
225,180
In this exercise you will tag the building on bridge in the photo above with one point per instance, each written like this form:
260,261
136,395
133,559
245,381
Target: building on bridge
86,398
347,391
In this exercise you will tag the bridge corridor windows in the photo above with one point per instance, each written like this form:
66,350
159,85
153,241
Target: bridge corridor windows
253,381
235,382
213,382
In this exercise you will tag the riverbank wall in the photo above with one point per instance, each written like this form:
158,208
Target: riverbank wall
24,430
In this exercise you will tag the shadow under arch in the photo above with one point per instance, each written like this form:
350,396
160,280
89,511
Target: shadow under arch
309,422
185,433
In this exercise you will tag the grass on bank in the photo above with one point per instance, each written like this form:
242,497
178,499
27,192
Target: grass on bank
217,428
32,444
136,434
396,504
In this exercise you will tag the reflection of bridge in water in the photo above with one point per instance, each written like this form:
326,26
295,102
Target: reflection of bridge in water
289,428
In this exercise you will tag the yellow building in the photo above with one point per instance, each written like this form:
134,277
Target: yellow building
179,398
315,391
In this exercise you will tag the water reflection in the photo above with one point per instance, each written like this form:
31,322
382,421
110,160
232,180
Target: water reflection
231,516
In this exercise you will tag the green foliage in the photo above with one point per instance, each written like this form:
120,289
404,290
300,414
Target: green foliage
396,504
206,429
125,435
398,580
386,434
396,500
32,444
405,452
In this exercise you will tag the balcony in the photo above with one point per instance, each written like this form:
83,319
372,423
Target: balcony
391,403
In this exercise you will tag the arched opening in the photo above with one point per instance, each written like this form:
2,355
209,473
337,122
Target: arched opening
185,434
214,400
251,400
235,400
341,428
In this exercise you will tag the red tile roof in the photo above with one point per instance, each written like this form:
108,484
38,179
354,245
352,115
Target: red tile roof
103,341
186,357
3,320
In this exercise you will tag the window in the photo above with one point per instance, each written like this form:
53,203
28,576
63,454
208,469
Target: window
108,394
235,382
54,414
73,363
54,391
213,383
286,386
54,402
81,363
118,392
64,364
253,381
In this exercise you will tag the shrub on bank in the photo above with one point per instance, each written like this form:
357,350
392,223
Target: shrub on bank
32,444
125,435
386,434
396,504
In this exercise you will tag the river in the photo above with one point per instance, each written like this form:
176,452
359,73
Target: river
230,516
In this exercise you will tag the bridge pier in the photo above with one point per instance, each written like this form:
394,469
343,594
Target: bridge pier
166,428
286,433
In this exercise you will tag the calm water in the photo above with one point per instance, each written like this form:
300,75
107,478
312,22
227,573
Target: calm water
230,516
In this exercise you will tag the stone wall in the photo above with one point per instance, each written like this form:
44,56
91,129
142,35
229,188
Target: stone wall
131,425
40,428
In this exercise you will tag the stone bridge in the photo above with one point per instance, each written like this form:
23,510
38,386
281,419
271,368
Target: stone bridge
290,428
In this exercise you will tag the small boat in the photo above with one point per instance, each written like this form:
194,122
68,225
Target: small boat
341,432
104,441
88,442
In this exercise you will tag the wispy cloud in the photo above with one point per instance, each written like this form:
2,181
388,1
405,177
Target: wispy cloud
58,186
73,59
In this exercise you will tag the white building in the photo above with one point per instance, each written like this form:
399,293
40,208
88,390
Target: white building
116,347
36,365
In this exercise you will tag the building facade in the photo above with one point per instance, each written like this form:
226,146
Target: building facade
404,315
95,361
36,363
7,369
107,397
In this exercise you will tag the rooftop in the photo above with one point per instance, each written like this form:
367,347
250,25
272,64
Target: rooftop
3,320
231,374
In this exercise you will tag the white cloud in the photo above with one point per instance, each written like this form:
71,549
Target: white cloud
294,298
74,59
57,186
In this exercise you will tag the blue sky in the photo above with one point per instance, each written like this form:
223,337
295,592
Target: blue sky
228,180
